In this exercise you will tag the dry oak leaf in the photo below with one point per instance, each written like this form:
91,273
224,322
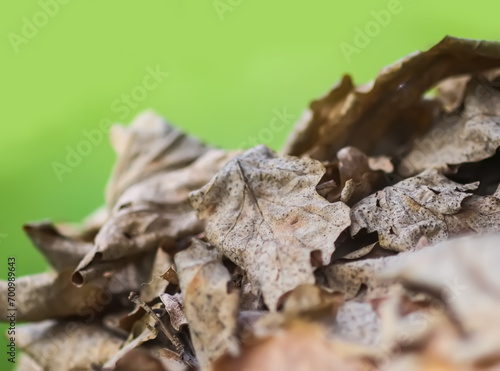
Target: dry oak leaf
148,146
264,214
480,214
71,346
62,252
391,104
467,135
210,307
50,295
462,273
154,212
411,209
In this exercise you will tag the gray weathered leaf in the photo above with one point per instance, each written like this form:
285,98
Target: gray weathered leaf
412,208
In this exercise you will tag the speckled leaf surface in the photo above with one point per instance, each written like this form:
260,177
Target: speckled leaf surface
263,213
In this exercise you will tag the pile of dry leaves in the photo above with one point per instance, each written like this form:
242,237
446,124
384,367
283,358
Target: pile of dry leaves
340,253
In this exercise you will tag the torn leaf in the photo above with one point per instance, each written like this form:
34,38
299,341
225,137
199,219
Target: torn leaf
148,146
467,135
154,212
412,208
62,252
365,117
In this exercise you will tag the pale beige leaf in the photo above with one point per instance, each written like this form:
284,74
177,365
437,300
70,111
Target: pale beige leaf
462,273
263,213
210,307
26,363
299,347
150,359
175,309
139,359
71,346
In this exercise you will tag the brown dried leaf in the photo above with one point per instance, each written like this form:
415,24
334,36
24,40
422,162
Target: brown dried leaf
117,276
67,346
49,295
141,332
357,176
463,274
308,303
412,208
62,252
150,359
467,135
148,146
300,347
265,215
139,359
391,102
210,307
154,212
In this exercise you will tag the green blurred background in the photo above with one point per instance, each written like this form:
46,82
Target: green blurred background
231,65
